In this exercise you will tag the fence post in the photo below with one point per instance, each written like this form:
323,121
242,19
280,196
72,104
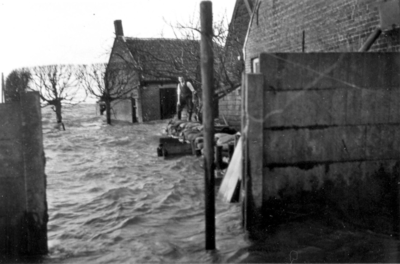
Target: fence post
207,60
23,207
34,171
254,159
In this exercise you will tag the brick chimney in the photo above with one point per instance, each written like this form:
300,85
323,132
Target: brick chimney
118,28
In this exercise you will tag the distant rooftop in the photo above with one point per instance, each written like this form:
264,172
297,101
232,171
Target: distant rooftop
165,59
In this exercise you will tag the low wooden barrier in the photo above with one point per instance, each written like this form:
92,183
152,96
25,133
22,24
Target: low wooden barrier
320,134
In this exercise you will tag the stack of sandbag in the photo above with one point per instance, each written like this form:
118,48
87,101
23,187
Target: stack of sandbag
184,130
192,133
173,128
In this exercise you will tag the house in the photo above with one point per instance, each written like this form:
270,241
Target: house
154,65
321,119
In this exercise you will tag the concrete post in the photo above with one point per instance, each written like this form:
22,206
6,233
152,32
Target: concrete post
23,208
254,158
34,173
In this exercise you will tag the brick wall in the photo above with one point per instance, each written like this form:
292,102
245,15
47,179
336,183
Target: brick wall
329,26
229,107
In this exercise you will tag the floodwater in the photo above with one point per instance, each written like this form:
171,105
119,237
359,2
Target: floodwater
112,200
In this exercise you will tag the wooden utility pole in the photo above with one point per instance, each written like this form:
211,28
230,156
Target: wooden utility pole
207,80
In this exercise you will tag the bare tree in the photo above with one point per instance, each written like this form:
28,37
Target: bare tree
57,85
227,49
107,83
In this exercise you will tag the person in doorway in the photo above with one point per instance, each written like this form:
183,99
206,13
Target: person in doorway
185,92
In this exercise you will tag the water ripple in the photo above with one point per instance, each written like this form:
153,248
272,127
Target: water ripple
112,200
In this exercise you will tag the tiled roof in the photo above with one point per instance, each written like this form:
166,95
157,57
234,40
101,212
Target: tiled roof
235,40
239,22
165,59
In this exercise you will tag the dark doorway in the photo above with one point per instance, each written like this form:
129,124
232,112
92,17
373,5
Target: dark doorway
168,102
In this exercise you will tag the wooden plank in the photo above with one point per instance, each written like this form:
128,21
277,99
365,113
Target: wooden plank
232,176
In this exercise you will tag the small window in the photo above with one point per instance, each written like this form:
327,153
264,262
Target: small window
255,65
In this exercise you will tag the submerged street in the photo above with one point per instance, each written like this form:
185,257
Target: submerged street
112,200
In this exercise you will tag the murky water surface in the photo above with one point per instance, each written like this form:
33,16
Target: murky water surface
112,200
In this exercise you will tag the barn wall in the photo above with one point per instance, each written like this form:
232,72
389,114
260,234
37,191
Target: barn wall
122,110
150,100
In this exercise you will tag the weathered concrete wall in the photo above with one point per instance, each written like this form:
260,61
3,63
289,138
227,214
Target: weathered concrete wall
329,129
122,110
150,100
23,207
12,204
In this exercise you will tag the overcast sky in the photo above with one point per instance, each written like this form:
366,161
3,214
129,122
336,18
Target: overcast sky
43,32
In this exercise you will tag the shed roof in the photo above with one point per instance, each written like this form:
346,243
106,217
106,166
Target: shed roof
160,59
